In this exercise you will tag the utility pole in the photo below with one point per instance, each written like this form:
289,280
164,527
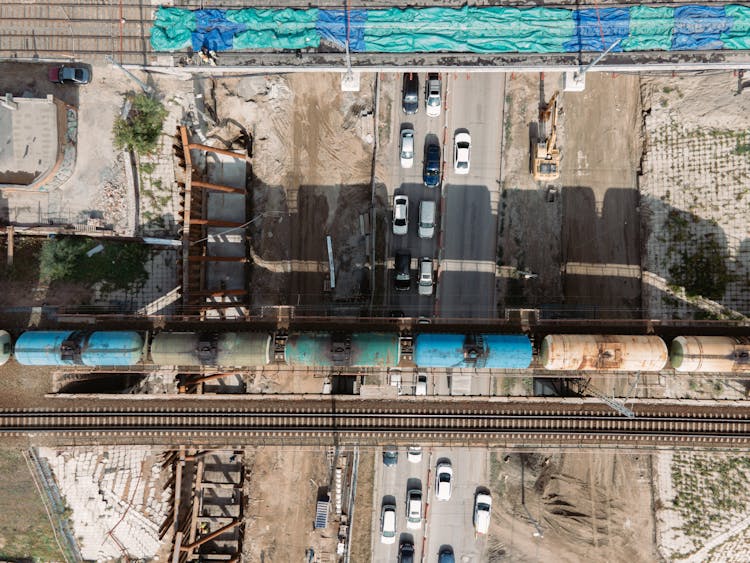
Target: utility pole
576,81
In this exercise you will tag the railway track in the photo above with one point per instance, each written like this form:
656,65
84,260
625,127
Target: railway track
375,422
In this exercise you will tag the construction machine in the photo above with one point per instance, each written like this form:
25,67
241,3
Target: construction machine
545,156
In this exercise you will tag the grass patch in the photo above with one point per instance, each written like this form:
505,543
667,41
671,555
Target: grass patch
25,530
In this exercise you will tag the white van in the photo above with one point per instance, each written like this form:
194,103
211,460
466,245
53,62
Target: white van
426,219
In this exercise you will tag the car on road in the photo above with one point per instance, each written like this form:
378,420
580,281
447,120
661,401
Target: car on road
402,267
433,101
420,388
446,555
411,93
407,148
69,74
426,219
414,509
462,153
443,481
406,552
390,456
388,524
425,276
400,215
482,511
414,454
431,174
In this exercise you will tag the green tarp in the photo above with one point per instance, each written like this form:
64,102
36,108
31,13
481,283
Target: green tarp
264,28
738,36
172,29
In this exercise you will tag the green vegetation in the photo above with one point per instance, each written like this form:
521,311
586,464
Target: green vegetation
140,130
25,530
118,265
742,148
702,270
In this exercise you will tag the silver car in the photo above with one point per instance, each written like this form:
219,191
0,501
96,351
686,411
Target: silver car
425,276
407,148
400,215
433,101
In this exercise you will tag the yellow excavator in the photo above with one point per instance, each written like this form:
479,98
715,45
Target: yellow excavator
545,156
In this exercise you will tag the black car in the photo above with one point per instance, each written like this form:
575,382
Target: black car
406,552
69,74
402,267
431,174
446,555
411,93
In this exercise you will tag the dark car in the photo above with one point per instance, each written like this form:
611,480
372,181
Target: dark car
69,75
411,93
390,456
431,174
406,553
402,266
446,555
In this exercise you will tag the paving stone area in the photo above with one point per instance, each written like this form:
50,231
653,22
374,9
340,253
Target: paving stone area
116,499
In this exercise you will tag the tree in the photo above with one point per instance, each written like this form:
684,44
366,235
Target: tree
140,130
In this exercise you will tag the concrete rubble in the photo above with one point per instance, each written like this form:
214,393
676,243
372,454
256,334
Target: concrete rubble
116,499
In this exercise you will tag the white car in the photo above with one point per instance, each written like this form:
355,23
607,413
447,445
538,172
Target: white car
420,388
461,153
407,148
414,509
400,215
425,276
482,511
388,524
433,102
444,481
414,454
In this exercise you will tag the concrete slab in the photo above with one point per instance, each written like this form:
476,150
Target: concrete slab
28,139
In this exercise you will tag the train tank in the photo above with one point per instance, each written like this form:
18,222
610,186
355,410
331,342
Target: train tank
74,348
603,352
236,349
5,346
326,349
705,354
500,351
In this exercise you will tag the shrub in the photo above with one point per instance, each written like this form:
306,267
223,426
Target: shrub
140,130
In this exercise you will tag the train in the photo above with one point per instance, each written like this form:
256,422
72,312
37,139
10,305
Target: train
557,352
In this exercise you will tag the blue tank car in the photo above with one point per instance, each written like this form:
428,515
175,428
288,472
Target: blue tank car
72,348
500,351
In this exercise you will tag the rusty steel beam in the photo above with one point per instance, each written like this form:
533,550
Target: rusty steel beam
218,259
210,536
217,187
215,222
217,150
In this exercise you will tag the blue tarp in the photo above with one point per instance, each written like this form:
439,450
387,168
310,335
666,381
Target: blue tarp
611,23
332,27
214,30
699,27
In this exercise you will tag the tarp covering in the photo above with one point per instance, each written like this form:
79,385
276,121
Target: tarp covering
462,30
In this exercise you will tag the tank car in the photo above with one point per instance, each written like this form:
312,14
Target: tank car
236,349
358,350
704,354
603,352
5,346
76,348
503,351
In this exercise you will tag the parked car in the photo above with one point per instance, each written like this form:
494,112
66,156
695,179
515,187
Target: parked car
433,101
482,511
400,215
446,555
402,269
427,219
69,74
390,456
406,552
388,524
411,93
443,481
414,454
462,153
431,175
414,509
425,276
407,148
420,388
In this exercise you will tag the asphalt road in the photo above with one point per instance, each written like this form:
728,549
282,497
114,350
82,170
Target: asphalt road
467,269
446,523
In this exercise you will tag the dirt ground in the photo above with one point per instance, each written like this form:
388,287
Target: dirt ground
589,506
282,488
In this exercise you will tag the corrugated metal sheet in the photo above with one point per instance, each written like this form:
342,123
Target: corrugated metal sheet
5,347
243,349
42,348
309,349
375,349
501,351
175,349
112,348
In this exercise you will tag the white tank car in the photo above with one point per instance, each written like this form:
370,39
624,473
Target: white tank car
603,352
706,354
